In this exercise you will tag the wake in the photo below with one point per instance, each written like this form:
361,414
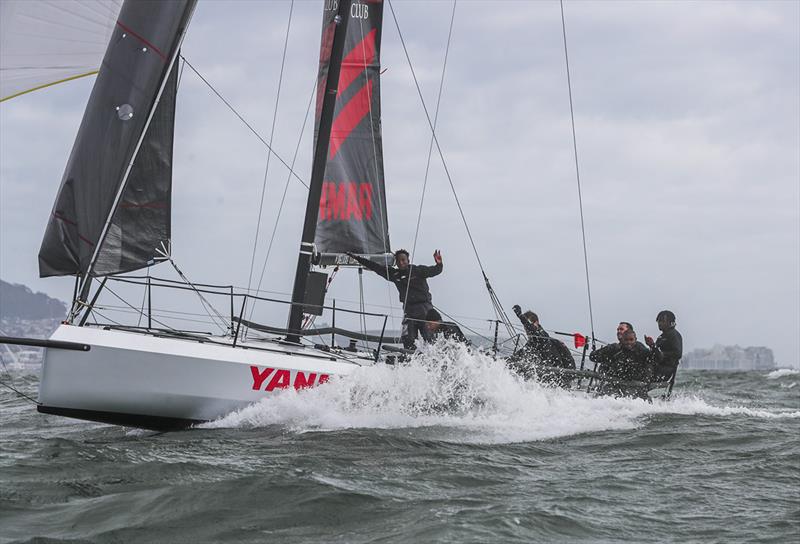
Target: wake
782,373
467,394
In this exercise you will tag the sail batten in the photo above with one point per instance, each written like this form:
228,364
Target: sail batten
112,210
352,212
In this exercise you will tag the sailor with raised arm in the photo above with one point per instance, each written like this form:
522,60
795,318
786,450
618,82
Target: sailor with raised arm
668,348
540,351
412,285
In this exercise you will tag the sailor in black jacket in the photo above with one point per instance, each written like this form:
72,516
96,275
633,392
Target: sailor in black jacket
540,352
412,285
668,348
625,361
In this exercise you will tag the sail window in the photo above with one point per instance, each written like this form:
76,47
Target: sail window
125,112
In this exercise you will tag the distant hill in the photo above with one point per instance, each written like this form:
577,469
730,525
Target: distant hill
19,302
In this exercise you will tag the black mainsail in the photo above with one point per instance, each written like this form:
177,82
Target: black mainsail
352,205
112,212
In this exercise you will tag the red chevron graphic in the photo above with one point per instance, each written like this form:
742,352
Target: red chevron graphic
361,56
349,118
353,65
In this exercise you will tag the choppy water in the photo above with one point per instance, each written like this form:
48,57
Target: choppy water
450,449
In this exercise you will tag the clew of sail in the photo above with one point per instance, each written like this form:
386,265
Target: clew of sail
352,209
112,211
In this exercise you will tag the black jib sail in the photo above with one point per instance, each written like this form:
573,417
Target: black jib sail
112,212
352,208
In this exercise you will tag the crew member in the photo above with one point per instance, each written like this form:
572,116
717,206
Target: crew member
412,285
621,328
437,328
540,352
668,348
627,361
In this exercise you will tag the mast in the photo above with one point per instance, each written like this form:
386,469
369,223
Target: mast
318,171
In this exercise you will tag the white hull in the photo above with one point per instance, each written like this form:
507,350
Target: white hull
155,382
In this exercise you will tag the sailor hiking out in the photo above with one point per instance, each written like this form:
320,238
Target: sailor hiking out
412,285
626,361
541,355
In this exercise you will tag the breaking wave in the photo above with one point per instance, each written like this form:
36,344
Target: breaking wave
465,396
782,373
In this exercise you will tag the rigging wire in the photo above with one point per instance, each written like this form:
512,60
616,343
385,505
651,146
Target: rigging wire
203,302
181,70
430,146
271,138
144,299
18,392
362,318
155,313
242,119
381,195
8,371
577,172
283,201
112,321
498,308
457,322
134,308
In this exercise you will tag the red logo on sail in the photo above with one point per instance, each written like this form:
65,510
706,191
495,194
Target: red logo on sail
348,201
352,113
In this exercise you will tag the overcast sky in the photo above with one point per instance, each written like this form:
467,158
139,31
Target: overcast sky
688,127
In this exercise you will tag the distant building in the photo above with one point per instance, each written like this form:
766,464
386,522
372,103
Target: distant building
729,358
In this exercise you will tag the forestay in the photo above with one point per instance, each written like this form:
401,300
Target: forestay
352,211
97,222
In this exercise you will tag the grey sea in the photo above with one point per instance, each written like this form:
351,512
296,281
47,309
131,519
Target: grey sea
437,451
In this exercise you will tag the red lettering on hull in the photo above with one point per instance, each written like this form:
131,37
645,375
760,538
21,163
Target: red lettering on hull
300,381
279,381
259,377
282,379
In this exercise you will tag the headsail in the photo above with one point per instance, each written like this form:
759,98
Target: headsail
352,211
138,67
44,43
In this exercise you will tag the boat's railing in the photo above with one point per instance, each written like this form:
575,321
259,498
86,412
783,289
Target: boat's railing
323,331
235,324
239,302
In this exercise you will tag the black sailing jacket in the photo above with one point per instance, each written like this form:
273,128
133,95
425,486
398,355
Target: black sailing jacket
417,286
625,364
668,349
548,351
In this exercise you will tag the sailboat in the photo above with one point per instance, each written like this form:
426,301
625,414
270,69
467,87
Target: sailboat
112,216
